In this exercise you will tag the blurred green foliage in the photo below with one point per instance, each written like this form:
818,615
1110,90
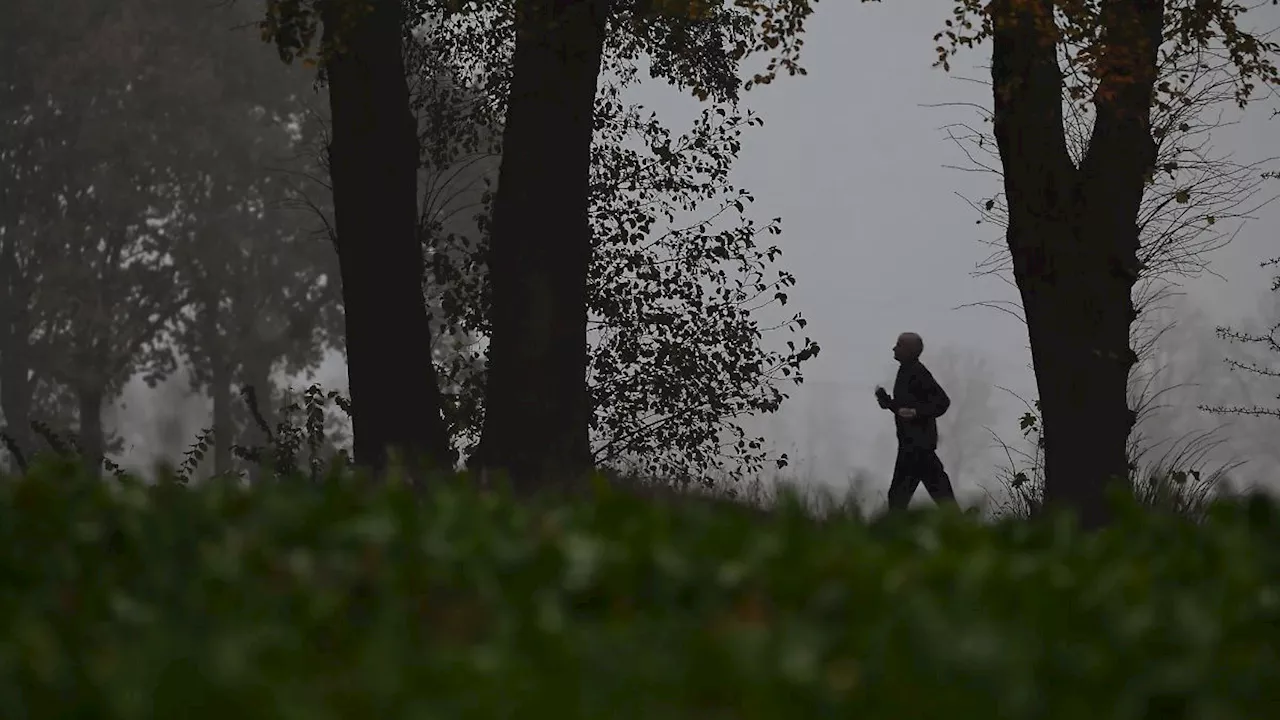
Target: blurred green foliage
336,598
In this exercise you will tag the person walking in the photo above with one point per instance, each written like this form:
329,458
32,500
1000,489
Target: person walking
917,403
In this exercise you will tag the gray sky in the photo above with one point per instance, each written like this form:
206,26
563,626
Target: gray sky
875,233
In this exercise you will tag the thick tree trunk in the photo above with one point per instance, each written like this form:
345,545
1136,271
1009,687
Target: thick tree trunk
1073,235
373,155
537,408
91,436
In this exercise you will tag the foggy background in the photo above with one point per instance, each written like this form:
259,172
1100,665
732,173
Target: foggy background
854,157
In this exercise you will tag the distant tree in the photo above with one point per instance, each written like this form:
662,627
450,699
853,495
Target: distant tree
20,270
1075,223
262,274
108,323
181,220
824,433
1252,362
964,433
29,46
1260,337
264,285
92,133
1179,368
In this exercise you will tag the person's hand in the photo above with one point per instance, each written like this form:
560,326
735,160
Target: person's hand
907,413
882,397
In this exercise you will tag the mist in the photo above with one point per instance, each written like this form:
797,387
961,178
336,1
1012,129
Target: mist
858,158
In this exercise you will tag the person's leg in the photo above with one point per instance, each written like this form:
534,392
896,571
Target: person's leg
906,477
935,479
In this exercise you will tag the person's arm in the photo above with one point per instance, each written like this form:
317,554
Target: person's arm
886,402
933,400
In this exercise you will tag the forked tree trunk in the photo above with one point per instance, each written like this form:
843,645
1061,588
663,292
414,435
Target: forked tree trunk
373,156
1073,235
537,408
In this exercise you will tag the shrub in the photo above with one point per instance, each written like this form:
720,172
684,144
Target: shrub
342,599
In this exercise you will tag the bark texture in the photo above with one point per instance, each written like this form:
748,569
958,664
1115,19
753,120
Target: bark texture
1073,233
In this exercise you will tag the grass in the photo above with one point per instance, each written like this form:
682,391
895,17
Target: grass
339,599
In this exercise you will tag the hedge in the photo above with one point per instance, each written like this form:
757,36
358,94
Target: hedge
123,599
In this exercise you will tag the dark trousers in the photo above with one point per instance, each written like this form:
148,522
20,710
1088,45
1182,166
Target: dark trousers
915,466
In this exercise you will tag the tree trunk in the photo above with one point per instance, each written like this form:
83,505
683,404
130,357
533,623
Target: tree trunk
1073,236
219,384
373,156
257,375
224,429
15,389
91,436
15,400
537,408
15,361
220,379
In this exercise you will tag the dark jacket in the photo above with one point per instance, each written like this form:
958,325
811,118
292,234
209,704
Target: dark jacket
915,388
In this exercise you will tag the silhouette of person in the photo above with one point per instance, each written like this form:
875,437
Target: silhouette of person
917,403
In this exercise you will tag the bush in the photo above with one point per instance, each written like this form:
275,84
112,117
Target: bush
339,599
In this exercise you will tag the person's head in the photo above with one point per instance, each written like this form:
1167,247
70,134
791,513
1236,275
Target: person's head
908,348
